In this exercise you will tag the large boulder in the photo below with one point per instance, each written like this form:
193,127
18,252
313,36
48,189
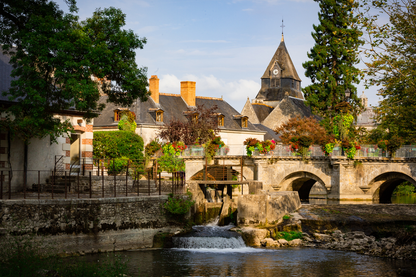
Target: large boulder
253,236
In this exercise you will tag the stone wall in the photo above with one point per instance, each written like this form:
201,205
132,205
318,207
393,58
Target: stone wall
267,207
87,225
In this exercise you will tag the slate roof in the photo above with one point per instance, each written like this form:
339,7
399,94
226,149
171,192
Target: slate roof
262,110
285,62
173,106
270,133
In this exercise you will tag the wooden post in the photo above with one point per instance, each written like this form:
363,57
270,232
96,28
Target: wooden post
38,184
90,185
1,185
65,184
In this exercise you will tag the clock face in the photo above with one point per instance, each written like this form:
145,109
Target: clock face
275,72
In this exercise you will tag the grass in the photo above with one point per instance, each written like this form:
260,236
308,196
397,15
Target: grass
289,235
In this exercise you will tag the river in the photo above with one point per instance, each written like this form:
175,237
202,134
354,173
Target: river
216,251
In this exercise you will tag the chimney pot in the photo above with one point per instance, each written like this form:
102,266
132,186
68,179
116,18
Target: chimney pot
154,88
188,92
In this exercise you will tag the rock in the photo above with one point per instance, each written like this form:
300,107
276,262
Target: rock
269,242
282,242
252,236
295,242
322,237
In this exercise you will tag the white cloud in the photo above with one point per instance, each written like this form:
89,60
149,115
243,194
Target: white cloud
234,92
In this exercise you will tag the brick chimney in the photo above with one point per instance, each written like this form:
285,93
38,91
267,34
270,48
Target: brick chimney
188,92
154,88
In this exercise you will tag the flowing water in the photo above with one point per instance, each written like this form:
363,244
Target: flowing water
216,251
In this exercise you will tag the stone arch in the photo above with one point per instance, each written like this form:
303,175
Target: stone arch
302,182
382,186
315,174
383,181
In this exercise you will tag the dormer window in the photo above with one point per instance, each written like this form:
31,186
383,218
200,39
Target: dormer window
194,117
220,120
244,122
159,116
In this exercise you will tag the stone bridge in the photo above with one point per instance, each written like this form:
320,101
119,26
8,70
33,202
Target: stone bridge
334,178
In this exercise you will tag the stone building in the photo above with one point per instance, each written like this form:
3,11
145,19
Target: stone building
42,155
161,108
280,97
367,118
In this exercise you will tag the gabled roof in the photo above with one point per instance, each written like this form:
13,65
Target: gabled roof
173,106
262,110
285,62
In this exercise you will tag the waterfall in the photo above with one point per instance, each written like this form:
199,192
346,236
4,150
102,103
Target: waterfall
211,237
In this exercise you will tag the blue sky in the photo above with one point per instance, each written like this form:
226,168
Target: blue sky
223,45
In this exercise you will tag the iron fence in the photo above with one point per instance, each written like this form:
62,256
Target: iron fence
105,178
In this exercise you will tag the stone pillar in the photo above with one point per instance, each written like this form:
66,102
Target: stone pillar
86,147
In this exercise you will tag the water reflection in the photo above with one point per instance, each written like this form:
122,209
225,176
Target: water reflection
404,199
281,262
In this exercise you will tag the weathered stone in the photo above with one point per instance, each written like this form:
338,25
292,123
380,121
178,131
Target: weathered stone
253,236
266,207
282,242
295,242
269,242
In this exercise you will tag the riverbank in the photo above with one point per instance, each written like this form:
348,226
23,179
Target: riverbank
376,230
82,226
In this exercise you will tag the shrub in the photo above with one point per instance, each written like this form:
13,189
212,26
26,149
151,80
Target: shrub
152,147
179,205
289,235
405,188
127,121
120,145
117,144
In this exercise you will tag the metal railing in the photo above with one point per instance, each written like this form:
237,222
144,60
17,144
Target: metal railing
406,151
106,178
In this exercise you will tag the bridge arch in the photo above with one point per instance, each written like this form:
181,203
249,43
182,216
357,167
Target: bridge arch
303,182
383,181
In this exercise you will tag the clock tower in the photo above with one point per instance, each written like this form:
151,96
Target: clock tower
279,79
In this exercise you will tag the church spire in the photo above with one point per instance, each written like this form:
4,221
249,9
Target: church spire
283,39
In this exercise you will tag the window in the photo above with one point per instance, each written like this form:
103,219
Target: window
194,117
159,116
117,115
220,121
244,122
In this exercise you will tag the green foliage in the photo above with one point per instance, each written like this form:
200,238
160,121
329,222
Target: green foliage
289,235
179,205
55,56
333,58
213,146
170,163
152,147
263,147
127,121
118,144
286,216
117,166
390,28
343,126
405,188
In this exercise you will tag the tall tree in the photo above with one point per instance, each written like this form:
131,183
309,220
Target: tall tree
61,64
333,58
390,27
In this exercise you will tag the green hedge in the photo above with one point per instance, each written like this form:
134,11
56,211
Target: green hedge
117,144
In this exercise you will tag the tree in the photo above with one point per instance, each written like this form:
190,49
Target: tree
61,64
391,64
333,58
201,126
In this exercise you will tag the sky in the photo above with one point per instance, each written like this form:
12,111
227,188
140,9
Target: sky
222,45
